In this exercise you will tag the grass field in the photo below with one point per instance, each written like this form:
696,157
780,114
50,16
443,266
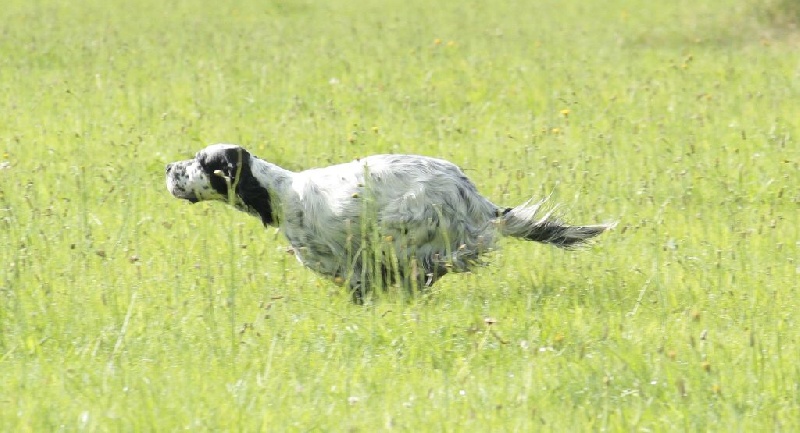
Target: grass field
123,309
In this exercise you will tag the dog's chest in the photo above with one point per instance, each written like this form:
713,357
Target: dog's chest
317,242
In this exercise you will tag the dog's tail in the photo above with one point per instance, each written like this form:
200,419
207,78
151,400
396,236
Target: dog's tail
524,222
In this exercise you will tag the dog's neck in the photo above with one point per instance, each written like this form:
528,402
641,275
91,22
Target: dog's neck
274,183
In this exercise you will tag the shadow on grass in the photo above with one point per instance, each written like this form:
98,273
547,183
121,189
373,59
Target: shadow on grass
752,23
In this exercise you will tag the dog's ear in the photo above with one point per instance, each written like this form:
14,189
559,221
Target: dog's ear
232,161
223,161
224,166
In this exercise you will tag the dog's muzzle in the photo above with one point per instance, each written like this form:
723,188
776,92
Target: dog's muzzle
175,187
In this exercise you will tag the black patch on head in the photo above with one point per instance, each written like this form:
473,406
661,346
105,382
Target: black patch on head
234,164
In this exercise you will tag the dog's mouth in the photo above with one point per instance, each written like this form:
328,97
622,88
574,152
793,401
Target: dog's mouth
182,194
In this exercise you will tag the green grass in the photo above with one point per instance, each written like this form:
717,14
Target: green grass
123,309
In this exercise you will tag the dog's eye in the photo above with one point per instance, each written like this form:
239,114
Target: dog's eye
211,162
205,161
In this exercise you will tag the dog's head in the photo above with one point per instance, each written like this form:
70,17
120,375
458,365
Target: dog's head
220,172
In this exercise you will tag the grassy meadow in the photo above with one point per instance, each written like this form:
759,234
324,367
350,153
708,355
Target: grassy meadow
123,309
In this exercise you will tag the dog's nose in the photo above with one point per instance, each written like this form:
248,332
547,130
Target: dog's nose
169,166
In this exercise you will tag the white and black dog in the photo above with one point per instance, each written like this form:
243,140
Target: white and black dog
376,221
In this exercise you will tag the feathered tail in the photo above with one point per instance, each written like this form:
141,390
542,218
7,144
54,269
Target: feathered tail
523,222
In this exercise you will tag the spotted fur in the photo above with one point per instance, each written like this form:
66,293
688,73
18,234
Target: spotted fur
376,221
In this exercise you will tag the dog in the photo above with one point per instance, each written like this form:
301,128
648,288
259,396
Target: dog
377,221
